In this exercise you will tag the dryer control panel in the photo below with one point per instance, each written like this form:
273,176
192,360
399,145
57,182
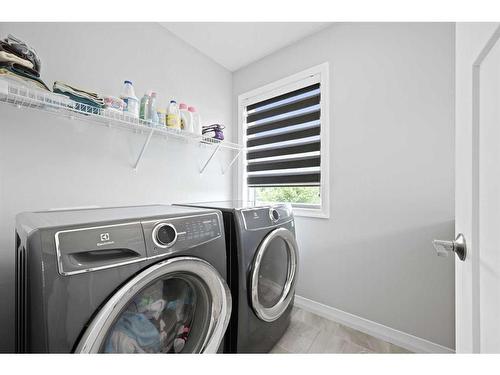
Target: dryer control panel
176,234
266,217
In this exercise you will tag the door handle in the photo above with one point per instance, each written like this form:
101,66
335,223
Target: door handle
445,248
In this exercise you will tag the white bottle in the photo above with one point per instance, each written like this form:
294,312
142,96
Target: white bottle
186,118
131,101
195,120
173,116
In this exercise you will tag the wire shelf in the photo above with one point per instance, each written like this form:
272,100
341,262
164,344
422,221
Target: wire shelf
28,97
21,96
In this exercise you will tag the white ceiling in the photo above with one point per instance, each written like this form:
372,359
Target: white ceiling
236,44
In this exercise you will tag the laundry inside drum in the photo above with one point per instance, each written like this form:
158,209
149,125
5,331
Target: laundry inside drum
171,315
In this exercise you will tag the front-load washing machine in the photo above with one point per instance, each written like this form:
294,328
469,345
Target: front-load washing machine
262,272
145,279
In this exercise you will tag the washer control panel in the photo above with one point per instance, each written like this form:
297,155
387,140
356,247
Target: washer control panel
181,233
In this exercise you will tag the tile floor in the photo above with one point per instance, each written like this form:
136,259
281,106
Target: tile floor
310,333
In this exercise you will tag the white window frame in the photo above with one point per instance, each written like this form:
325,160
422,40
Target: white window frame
318,73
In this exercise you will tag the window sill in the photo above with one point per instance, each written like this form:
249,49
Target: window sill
311,212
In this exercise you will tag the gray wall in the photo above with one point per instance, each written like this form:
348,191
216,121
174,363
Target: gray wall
392,180
48,162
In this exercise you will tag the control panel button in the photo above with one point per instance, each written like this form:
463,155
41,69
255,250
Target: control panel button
164,235
274,215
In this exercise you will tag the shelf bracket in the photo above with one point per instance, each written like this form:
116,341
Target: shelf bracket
143,150
210,158
224,170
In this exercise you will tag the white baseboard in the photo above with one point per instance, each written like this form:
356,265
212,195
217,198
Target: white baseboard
412,343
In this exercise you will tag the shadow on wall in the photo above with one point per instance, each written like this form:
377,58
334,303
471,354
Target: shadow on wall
373,276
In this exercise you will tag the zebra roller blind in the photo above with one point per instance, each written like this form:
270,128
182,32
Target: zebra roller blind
283,139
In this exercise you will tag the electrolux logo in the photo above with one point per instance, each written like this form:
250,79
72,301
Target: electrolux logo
105,240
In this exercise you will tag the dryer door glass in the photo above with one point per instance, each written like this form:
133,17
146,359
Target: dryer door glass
274,274
177,306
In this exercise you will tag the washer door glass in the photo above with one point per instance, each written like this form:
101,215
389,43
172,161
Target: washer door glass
181,305
274,274
168,316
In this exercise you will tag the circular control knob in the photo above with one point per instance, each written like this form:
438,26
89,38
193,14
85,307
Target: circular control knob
164,235
274,215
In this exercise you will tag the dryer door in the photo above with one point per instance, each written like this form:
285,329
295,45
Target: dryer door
181,305
273,274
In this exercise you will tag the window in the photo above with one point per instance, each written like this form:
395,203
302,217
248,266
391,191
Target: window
284,127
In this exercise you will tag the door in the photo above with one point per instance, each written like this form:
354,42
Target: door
477,188
273,275
181,305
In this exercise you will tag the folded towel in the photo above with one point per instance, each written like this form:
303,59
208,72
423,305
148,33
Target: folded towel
7,48
79,95
24,72
9,57
10,72
4,46
22,50
20,68
77,91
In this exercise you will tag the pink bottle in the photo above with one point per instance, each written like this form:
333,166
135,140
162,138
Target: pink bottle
186,118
